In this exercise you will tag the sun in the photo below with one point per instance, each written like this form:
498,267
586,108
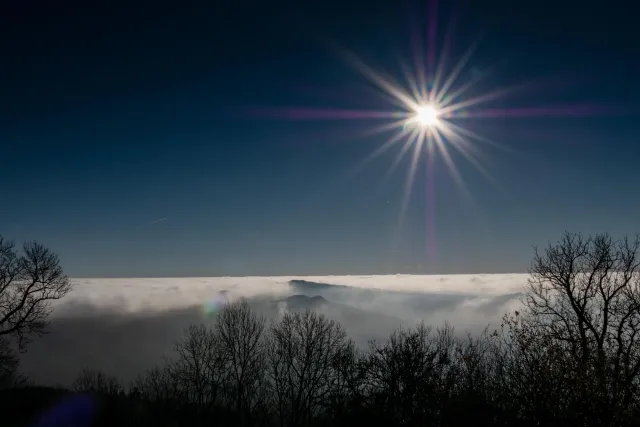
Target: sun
427,115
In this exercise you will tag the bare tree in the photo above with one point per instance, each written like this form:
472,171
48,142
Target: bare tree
28,283
473,395
411,375
156,384
532,376
91,380
240,332
474,360
198,370
305,354
583,299
348,395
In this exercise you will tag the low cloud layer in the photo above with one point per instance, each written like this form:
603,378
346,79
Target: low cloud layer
124,326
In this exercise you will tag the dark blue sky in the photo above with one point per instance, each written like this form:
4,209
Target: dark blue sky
116,116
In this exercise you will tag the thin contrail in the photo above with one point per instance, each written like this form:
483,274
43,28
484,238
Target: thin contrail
158,220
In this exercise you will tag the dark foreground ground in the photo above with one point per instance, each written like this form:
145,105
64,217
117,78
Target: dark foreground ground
55,407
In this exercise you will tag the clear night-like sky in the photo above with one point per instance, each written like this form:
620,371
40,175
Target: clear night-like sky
157,138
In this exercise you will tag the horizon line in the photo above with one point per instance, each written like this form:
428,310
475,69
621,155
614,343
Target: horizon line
292,275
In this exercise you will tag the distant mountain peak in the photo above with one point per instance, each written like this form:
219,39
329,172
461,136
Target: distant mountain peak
316,298
302,285
304,301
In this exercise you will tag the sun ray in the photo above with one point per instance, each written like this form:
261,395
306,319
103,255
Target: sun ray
388,85
560,111
455,73
481,99
385,127
411,173
403,151
452,127
419,79
461,145
462,89
416,87
441,66
380,150
451,166
456,175
391,99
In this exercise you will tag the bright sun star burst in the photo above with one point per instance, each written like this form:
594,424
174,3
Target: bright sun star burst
427,115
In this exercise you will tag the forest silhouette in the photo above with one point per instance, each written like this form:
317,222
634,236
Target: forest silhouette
570,356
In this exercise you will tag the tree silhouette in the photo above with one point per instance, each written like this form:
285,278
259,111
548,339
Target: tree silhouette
583,301
305,351
155,385
28,283
239,333
414,365
569,356
95,381
198,371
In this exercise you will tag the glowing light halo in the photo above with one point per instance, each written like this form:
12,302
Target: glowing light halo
427,115
430,106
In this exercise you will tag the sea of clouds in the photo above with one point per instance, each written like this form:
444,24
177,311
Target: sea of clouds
124,326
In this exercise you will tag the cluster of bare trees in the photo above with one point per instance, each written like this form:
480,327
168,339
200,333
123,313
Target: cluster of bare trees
29,282
256,371
570,356
97,382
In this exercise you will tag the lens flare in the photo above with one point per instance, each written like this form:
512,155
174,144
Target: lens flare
76,410
216,304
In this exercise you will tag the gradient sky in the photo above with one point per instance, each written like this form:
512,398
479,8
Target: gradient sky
133,140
